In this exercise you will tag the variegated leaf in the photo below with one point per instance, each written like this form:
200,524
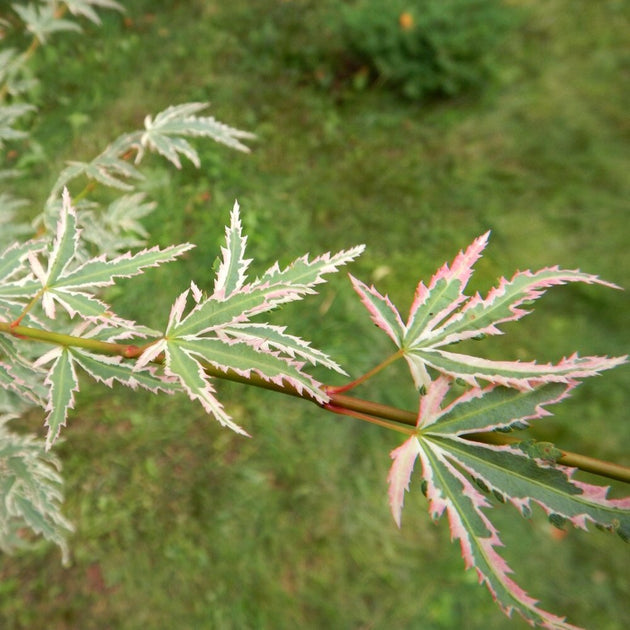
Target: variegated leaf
30,491
450,491
520,479
274,288
72,285
106,369
231,275
217,332
43,21
442,314
449,461
166,132
117,228
519,374
190,373
62,383
12,259
8,116
266,336
245,359
107,168
20,376
303,273
383,312
85,8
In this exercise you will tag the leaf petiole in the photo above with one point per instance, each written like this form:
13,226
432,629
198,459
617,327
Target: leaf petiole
15,323
340,389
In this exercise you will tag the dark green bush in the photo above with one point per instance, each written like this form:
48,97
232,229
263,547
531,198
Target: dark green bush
426,47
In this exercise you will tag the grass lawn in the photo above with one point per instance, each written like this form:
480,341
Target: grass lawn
181,524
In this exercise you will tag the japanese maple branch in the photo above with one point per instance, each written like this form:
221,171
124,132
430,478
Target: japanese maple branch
365,410
32,49
576,460
128,351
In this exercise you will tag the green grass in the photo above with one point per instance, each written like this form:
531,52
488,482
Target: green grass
181,524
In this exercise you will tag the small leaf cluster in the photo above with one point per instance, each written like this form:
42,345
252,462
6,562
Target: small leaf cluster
52,272
459,475
54,324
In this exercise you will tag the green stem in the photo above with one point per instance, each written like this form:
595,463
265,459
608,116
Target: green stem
87,189
575,460
366,410
59,339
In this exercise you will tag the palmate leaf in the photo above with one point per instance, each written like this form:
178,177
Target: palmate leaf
276,287
107,370
107,168
30,491
231,275
117,228
166,133
73,285
12,260
266,336
43,21
441,314
217,332
449,462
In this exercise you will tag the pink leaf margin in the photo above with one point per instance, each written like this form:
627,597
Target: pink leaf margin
381,309
438,504
460,270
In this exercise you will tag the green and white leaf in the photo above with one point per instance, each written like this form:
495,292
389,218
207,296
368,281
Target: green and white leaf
231,275
190,373
42,20
442,314
20,376
107,169
13,259
274,288
72,284
166,133
107,369
217,332
268,337
244,360
449,462
63,383
117,228
30,492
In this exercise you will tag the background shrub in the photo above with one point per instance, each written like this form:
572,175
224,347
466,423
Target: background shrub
426,47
